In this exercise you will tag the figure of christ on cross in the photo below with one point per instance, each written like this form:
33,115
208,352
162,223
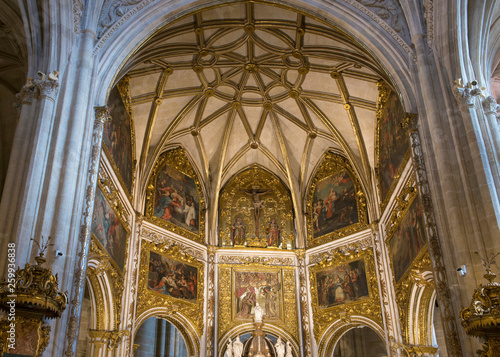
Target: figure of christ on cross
255,194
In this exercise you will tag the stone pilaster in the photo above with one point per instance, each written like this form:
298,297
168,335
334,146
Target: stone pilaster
448,315
307,331
210,314
76,297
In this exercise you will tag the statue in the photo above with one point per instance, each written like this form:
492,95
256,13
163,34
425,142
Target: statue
280,348
258,313
288,349
237,347
229,349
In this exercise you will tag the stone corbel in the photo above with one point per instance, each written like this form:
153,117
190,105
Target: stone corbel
466,93
25,96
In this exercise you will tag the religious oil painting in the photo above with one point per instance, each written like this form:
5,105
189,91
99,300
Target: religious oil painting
172,278
255,210
342,284
408,240
334,204
109,230
117,138
257,287
176,199
393,143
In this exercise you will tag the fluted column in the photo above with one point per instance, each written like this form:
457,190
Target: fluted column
76,296
443,294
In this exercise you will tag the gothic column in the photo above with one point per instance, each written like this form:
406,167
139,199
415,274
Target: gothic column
307,331
76,295
210,303
390,314
448,314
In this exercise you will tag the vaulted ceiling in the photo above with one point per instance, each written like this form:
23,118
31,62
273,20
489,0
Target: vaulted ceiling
254,83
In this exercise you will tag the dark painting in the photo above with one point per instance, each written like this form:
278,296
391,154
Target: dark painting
393,143
108,230
173,278
263,288
176,199
342,284
334,204
118,137
408,240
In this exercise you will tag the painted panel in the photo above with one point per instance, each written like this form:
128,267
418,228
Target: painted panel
173,278
407,240
117,139
342,284
394,144
109,230
334,204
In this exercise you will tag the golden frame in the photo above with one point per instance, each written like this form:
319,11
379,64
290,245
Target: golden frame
177,159
288,303
119,212
147,299
384,90
123,87
368,307
332,164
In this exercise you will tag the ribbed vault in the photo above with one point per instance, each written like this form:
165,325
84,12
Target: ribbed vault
255,83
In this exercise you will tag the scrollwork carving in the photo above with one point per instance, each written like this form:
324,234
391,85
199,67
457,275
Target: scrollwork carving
262,260
358,245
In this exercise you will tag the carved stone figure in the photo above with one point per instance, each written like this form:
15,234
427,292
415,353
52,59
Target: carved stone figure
280,348
229,349
237,347
258,313
289,352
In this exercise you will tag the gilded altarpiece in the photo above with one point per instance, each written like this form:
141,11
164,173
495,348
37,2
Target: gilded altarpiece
118,137
335,202
392,148
172,279
175,199
343,285
255,210
241,286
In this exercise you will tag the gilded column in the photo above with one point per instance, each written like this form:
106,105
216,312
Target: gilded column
304,302
447,312
76,297
210,302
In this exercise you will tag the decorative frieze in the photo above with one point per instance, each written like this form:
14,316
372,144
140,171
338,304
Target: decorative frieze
346,249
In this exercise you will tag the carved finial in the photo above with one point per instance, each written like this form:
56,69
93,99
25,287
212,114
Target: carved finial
490,276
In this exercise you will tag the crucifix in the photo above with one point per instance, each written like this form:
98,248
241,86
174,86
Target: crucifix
255,194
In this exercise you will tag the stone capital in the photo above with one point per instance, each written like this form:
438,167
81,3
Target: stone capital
102,115
47,88
409,122
466,93
25,96
490,106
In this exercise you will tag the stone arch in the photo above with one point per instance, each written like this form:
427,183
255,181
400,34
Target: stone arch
119,41
327,342
178,320
248,328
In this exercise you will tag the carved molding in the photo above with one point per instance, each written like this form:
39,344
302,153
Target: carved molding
77,15
304,302
263,260
358,245
164,240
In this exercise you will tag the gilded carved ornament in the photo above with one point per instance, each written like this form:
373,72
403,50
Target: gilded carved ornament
333,164
147,298
482,317
177,160
368,307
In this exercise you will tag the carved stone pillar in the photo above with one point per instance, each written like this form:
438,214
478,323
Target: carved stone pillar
388,299
448,315
76,297
307,331
209,351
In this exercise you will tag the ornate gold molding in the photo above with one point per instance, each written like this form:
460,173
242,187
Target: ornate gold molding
177,159
255,260
368,307
147,299
164,240
402,203
332,164
361,244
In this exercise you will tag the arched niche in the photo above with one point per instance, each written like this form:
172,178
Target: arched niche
255,210
179,322
335,201
245,331
159,337
338,330
175,198
360,342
